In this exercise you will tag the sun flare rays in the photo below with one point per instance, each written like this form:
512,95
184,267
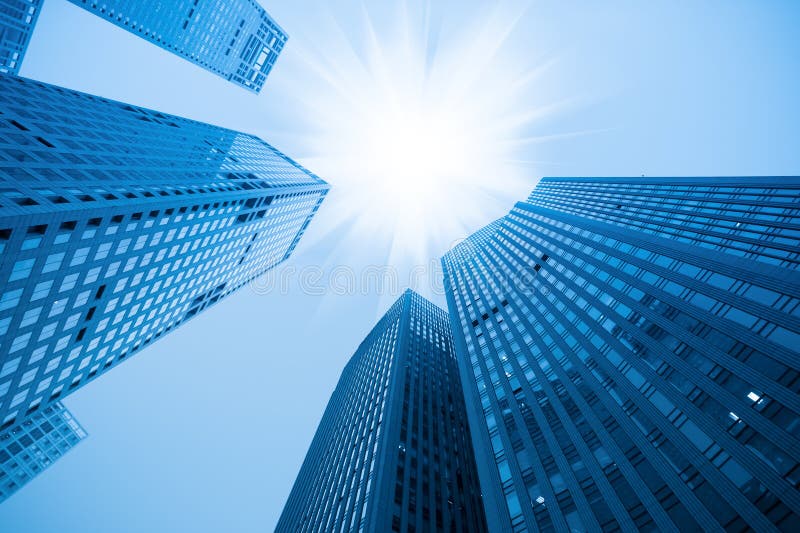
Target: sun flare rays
420,121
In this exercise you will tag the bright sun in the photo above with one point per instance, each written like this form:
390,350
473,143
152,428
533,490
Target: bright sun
413,153
409,147
419,130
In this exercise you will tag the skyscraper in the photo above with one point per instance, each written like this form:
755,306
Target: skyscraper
629,349
17,20
235,39
392,452
28,448
119,223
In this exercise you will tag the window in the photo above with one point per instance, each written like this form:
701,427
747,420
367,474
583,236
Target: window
81,299
30,317
68,282
80,256
41,290
10,299
20,342
102,251
10,367
22,269
48,331
29,244
53,262
92,275
58,307
785,337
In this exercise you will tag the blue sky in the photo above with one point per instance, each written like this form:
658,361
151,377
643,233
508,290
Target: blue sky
206,429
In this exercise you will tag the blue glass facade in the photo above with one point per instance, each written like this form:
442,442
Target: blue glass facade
235,39
28,448
17,20
117,224
392,452
630,354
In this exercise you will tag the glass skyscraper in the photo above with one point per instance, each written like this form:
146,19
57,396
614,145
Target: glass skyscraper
17,20
28,448
393,451
630,350
235,39
117,224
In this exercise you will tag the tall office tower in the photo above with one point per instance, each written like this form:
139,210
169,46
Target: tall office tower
117,224
17,20
629,349
28,448
234,39
393,451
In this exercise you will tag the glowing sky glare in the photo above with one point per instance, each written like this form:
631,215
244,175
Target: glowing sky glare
420,123
406,155
410,149
411,157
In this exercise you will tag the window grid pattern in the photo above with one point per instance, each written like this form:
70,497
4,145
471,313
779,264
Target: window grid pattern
235,39
108,243
745,217
626,379
17,20
393,451
29,448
